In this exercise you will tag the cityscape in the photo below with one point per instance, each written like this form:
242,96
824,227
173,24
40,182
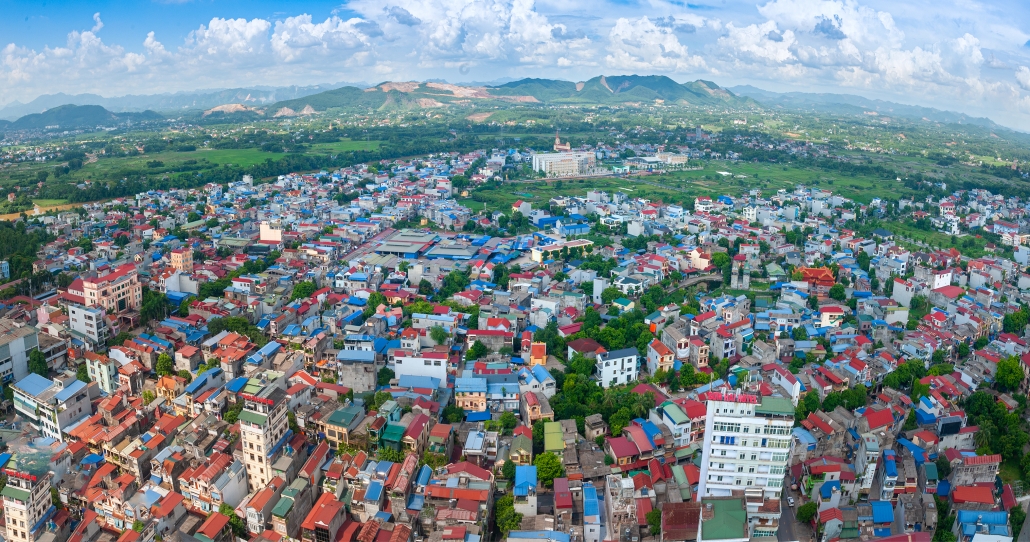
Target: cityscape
566,304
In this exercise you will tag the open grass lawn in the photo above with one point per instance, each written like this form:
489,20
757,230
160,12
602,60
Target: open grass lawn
239,157
49,202
346,145
1009,471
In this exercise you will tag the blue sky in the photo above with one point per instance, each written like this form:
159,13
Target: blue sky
964,55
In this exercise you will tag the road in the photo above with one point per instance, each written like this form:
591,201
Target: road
787,522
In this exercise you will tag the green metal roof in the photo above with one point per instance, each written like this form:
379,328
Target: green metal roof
16,494
778,406
931,470
554,441
283,507
729,522
674,412
253,417
394,432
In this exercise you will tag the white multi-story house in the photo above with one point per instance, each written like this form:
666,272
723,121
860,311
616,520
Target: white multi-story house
618,367
746,448
88,323
866,460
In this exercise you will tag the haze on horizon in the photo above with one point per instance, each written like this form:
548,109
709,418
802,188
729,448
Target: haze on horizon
962,55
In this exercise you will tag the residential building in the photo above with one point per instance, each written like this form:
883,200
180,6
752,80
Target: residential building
88,324
618,367
746,447
265,432
115,290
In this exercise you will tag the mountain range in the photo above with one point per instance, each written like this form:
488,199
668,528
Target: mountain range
262,102
850,103
169,103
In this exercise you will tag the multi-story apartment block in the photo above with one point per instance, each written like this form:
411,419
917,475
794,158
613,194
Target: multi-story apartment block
746,448
27,505
659,356
182,259
888,475
265,432
50,406
866,460
17,341
115,290
103,370
88,324
618,367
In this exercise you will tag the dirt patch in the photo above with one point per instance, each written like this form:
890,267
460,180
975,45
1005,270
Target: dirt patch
229,108
519,99
30,213
284,112
409,86
580,85
479,117
459,91
428,102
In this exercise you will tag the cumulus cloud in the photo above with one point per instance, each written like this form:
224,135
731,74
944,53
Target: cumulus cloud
962,55
641,44
1023,77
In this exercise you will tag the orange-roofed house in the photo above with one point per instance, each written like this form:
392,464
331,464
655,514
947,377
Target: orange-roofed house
259,508
659,356
817,277
168,513
538,354
325,519
216,528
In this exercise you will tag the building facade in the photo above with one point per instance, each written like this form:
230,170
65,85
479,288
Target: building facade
265,431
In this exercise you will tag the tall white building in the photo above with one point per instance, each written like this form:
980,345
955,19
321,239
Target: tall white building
265,431
746,448
618,367
560,164
88,323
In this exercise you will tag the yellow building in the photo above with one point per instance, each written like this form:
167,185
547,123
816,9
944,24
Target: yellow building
182,260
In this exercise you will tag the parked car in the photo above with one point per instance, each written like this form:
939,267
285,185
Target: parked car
790,502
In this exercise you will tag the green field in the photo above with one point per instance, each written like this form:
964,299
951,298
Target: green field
346,145
49,202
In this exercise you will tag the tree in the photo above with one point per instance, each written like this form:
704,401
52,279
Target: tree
82,373
148,397
239,529
184,307
439,334
610,294
384,376
1010,373
944,467
389,454
164,366
508,422
138,526
1016,518
186,375
453,414
233,414
303,290
807,511
837,292
720,259
477,350
425,287
434,460
506,517
374,300
910,421
38,364
508,470
548,467
654,520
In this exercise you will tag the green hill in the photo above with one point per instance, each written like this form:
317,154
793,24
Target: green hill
622,89
78,116
340,97
599,90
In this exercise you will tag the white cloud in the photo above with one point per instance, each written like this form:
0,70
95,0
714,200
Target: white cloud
640,44
1023,77
98,23
937,52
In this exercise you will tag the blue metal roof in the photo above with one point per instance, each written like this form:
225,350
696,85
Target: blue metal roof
237,384
34,384
590,504
67,393
826,490
883,512
374,491
525,480
415,381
